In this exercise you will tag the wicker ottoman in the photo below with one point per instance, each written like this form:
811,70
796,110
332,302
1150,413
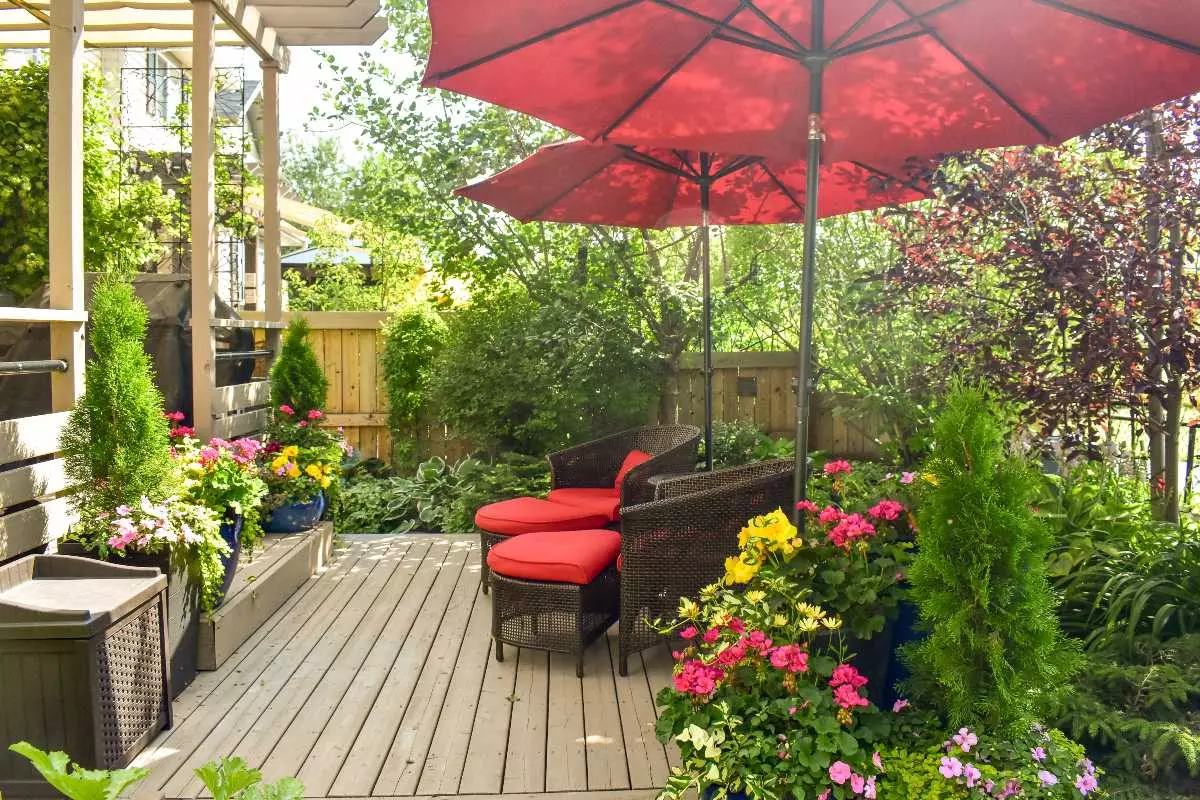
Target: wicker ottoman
556,591
521,515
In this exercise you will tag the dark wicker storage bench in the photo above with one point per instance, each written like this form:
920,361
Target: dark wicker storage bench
82,663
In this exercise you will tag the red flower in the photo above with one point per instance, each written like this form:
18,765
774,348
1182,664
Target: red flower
886,509
807,505
315,414
286,409
839,467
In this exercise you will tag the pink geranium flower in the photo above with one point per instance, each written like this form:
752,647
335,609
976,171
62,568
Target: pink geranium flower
857,783
689,632
886,509
839,467
900,705
840,772
847,674
830,514
315,414
711,635
848,697
907,477
174,416
808,506
286,409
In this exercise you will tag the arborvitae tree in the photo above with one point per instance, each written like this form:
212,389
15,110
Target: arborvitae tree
994,655
116,446
296,378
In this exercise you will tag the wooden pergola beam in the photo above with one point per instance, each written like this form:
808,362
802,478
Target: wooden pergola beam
203,219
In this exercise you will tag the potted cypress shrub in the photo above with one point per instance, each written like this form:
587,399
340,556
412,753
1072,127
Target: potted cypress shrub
303,458
129,501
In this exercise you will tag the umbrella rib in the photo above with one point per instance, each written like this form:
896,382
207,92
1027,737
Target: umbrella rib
978,73
739,163
765,47
862,47
553,200
650,161
658,84
688,12
913,18
541,37
863,20
775,26
1124,26
685,162
782,187
911,184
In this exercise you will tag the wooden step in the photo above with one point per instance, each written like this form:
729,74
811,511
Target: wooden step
261,585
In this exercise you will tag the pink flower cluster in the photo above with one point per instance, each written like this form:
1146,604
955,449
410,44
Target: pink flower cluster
841,773
851,528
839,467
698,678
846,681
889,510
243,451
790,657
153,523
286,409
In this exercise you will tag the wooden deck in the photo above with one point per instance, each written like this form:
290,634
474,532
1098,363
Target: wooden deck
376,680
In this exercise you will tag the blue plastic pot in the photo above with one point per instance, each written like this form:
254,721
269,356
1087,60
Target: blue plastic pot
231,532
294,517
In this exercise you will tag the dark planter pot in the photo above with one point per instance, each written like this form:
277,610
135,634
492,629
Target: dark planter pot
183,607
871,658
231,532
904,631
295,517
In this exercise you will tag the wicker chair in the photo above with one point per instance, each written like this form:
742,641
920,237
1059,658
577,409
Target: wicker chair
595,465
676,544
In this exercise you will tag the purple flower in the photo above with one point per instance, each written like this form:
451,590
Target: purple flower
907,477
857,783
877,761
900,705
965,739
869,789
950,767
1047,778
1086,784
1038,753
972,774
1088,767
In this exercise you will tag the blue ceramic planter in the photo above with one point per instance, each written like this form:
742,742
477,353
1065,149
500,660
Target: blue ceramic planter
231,532
295,517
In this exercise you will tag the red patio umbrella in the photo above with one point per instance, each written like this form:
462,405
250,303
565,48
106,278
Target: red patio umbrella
604,184
883,79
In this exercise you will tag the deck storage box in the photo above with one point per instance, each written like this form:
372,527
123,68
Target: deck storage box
83,665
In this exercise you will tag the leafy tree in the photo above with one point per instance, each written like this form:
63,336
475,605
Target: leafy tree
115,445
412,340
342,284
1064,276
316,171
516,375
994,655
296,377
121,211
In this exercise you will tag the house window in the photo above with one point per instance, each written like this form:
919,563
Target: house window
158,77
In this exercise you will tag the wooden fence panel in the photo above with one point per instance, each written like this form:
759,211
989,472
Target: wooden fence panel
751,386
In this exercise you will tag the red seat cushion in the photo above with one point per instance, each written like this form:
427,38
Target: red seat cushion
634,459
601,501
529,514
556,556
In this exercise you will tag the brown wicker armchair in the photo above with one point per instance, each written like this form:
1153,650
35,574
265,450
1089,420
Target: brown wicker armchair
676,544
595,464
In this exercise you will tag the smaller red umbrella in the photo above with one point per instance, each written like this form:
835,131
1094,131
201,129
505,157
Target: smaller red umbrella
606,184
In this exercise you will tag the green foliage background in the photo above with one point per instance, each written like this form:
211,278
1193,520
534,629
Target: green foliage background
119,221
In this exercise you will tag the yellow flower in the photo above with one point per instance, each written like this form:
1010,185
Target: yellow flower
808,625
688,608
738,570
325,483
832,623
312,471
755,596
930,478
810,611
779,620
278,462
291,451
709,592
293,471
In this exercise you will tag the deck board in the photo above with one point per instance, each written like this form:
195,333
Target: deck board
377,679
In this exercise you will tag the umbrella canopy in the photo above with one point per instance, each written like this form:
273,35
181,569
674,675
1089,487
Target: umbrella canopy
847,80
605,184
900,77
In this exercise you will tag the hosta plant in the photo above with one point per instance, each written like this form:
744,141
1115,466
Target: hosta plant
766,699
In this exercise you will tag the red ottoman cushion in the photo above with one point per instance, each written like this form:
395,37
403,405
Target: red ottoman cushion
556,556
529,514
601,501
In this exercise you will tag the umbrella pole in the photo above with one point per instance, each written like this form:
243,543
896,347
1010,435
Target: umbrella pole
804,379
705,185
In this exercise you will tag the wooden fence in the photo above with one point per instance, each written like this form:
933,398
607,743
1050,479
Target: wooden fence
751,386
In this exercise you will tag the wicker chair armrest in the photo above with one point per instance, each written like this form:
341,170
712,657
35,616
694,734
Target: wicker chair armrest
683,485
636,487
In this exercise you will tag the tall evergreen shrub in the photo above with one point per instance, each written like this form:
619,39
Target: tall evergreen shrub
413,338
115,445
296,377
994,655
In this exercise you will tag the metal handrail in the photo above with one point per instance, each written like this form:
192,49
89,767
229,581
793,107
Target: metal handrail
37,367
239,355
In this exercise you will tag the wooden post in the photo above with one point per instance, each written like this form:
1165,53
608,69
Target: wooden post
204,251
270,276
66,198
